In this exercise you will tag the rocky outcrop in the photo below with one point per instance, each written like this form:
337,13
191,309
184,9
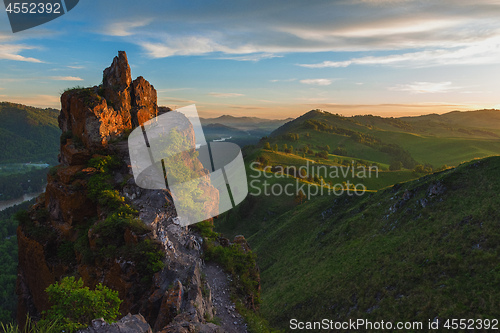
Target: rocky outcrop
94,116
60,235
143,101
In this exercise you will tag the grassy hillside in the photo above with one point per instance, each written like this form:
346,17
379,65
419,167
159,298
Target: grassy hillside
28,134
419,250
436,140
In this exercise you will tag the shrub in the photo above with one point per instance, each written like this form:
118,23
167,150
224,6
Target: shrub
105,164
74,306
396,166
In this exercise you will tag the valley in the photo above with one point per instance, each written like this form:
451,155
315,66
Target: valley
421,230
424,232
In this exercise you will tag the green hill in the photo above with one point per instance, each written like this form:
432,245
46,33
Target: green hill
28,134
417,251
435,139
422,249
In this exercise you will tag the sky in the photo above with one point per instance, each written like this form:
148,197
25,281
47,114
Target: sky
271,59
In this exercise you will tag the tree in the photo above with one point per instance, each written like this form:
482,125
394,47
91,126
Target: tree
303,173
276,147
396,166
263,161
267,146
75,306
300,197
419,169
327,148
291,149
285,147
340,151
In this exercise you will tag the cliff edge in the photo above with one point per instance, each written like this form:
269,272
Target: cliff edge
93,221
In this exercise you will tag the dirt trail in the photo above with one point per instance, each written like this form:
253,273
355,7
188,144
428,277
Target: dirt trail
230,320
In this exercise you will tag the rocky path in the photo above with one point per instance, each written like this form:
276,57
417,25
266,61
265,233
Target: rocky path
229,319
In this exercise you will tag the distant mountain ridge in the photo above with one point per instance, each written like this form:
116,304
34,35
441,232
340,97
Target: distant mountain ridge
487,118
246,123
227,119
28,133
242,130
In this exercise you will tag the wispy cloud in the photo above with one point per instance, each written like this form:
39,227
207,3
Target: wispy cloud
175,100
66,78
192,45
224,95
11,52
125,28
317,82
76,67
483,52
252,57
284,80
425,87
171,89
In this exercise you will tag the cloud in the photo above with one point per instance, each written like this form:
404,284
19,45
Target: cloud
425,87
124,28
66,78
176,100
192,45
252,57
76,67
317,82
224,95
171,89
483,52
11,52
284,80
233,30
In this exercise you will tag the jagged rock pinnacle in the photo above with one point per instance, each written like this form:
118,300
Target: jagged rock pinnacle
117,75
96,115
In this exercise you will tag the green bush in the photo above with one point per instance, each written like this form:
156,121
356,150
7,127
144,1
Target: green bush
116,224
75,306
105,164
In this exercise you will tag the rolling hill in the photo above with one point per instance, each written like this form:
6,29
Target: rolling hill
28,134
417,251
416,246
455,138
